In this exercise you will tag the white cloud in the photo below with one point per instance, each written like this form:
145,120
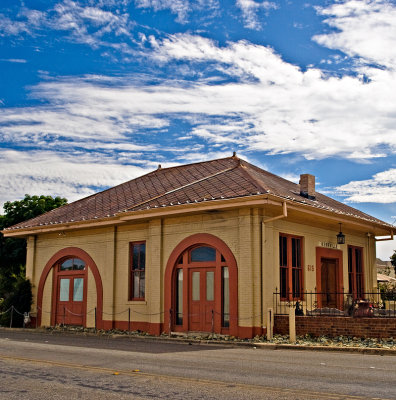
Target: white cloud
257,102
14,60
386,249
182,8
250,9
12,28
85,24
270,105
80,111
381,188
283,109
88,24
60,174
179,7
364,28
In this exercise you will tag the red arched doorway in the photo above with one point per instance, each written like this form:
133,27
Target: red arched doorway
201,288
70,287
69,292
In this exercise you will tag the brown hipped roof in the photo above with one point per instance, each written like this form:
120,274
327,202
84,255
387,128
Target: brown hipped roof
226,178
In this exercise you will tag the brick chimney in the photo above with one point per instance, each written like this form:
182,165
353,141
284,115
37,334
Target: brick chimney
307,186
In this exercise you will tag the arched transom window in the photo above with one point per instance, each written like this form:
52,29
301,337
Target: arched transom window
72,264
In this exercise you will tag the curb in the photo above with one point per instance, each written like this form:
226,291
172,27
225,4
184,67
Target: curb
213,342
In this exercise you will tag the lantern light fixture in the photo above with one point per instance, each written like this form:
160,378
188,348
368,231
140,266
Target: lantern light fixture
340,237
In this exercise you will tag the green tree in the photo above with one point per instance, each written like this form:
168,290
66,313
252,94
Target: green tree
20,298
393,260
13,283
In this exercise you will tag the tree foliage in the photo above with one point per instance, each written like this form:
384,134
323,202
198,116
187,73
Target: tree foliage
15,289
29,207
393,260
21,299
13,251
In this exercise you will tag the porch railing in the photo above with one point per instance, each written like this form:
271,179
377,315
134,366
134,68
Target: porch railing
341,304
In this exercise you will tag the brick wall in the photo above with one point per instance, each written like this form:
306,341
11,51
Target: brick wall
337,326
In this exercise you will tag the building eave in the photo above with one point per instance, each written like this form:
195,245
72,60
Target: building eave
259,200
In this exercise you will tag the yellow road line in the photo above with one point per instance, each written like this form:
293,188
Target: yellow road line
135,373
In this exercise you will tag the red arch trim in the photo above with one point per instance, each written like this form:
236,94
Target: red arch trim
76,252
214,241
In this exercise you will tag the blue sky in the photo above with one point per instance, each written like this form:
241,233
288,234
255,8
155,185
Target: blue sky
94,93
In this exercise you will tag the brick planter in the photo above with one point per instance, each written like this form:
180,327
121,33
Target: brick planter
337,326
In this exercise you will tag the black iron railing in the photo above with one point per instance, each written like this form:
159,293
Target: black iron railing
343,304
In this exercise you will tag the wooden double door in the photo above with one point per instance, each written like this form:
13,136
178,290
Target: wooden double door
202,284
71,299
201,299
329,282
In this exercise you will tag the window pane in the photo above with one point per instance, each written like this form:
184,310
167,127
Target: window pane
138,261
78,264
226,298
358,260
283,283
135,260
195,286
203,254
67,265
136,284
350,271
179,297
142,285
138,256
78,289
283,251
355,272
359,273
209,285
142,255
296,282
64,289
296,251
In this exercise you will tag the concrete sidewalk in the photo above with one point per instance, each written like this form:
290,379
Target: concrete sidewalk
366,346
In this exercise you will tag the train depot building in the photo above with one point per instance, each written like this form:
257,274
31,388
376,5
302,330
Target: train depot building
197,248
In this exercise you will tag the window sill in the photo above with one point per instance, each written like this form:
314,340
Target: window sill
137,301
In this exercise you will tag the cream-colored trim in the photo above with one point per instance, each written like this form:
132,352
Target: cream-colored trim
259,200
350,219
99,223
193,208
283,215
383,239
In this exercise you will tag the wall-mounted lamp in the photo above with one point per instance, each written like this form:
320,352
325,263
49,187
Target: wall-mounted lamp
340,237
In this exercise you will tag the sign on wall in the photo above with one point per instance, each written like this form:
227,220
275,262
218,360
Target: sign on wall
329,245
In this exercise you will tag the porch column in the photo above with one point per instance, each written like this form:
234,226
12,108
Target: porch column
108,278
246,276
155,276
30,265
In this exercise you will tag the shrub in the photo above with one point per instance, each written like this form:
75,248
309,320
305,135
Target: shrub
21,298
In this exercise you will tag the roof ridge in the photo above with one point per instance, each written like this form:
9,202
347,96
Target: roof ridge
188,165
268,172
245,170
184,186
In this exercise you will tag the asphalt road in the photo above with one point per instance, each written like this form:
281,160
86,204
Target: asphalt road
36,365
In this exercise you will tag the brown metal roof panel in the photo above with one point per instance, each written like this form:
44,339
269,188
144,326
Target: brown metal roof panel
224,178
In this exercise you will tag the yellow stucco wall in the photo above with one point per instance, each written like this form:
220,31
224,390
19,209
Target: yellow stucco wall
47,301
254,245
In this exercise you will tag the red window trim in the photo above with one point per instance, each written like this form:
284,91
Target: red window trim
289,267
352,274
131,296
